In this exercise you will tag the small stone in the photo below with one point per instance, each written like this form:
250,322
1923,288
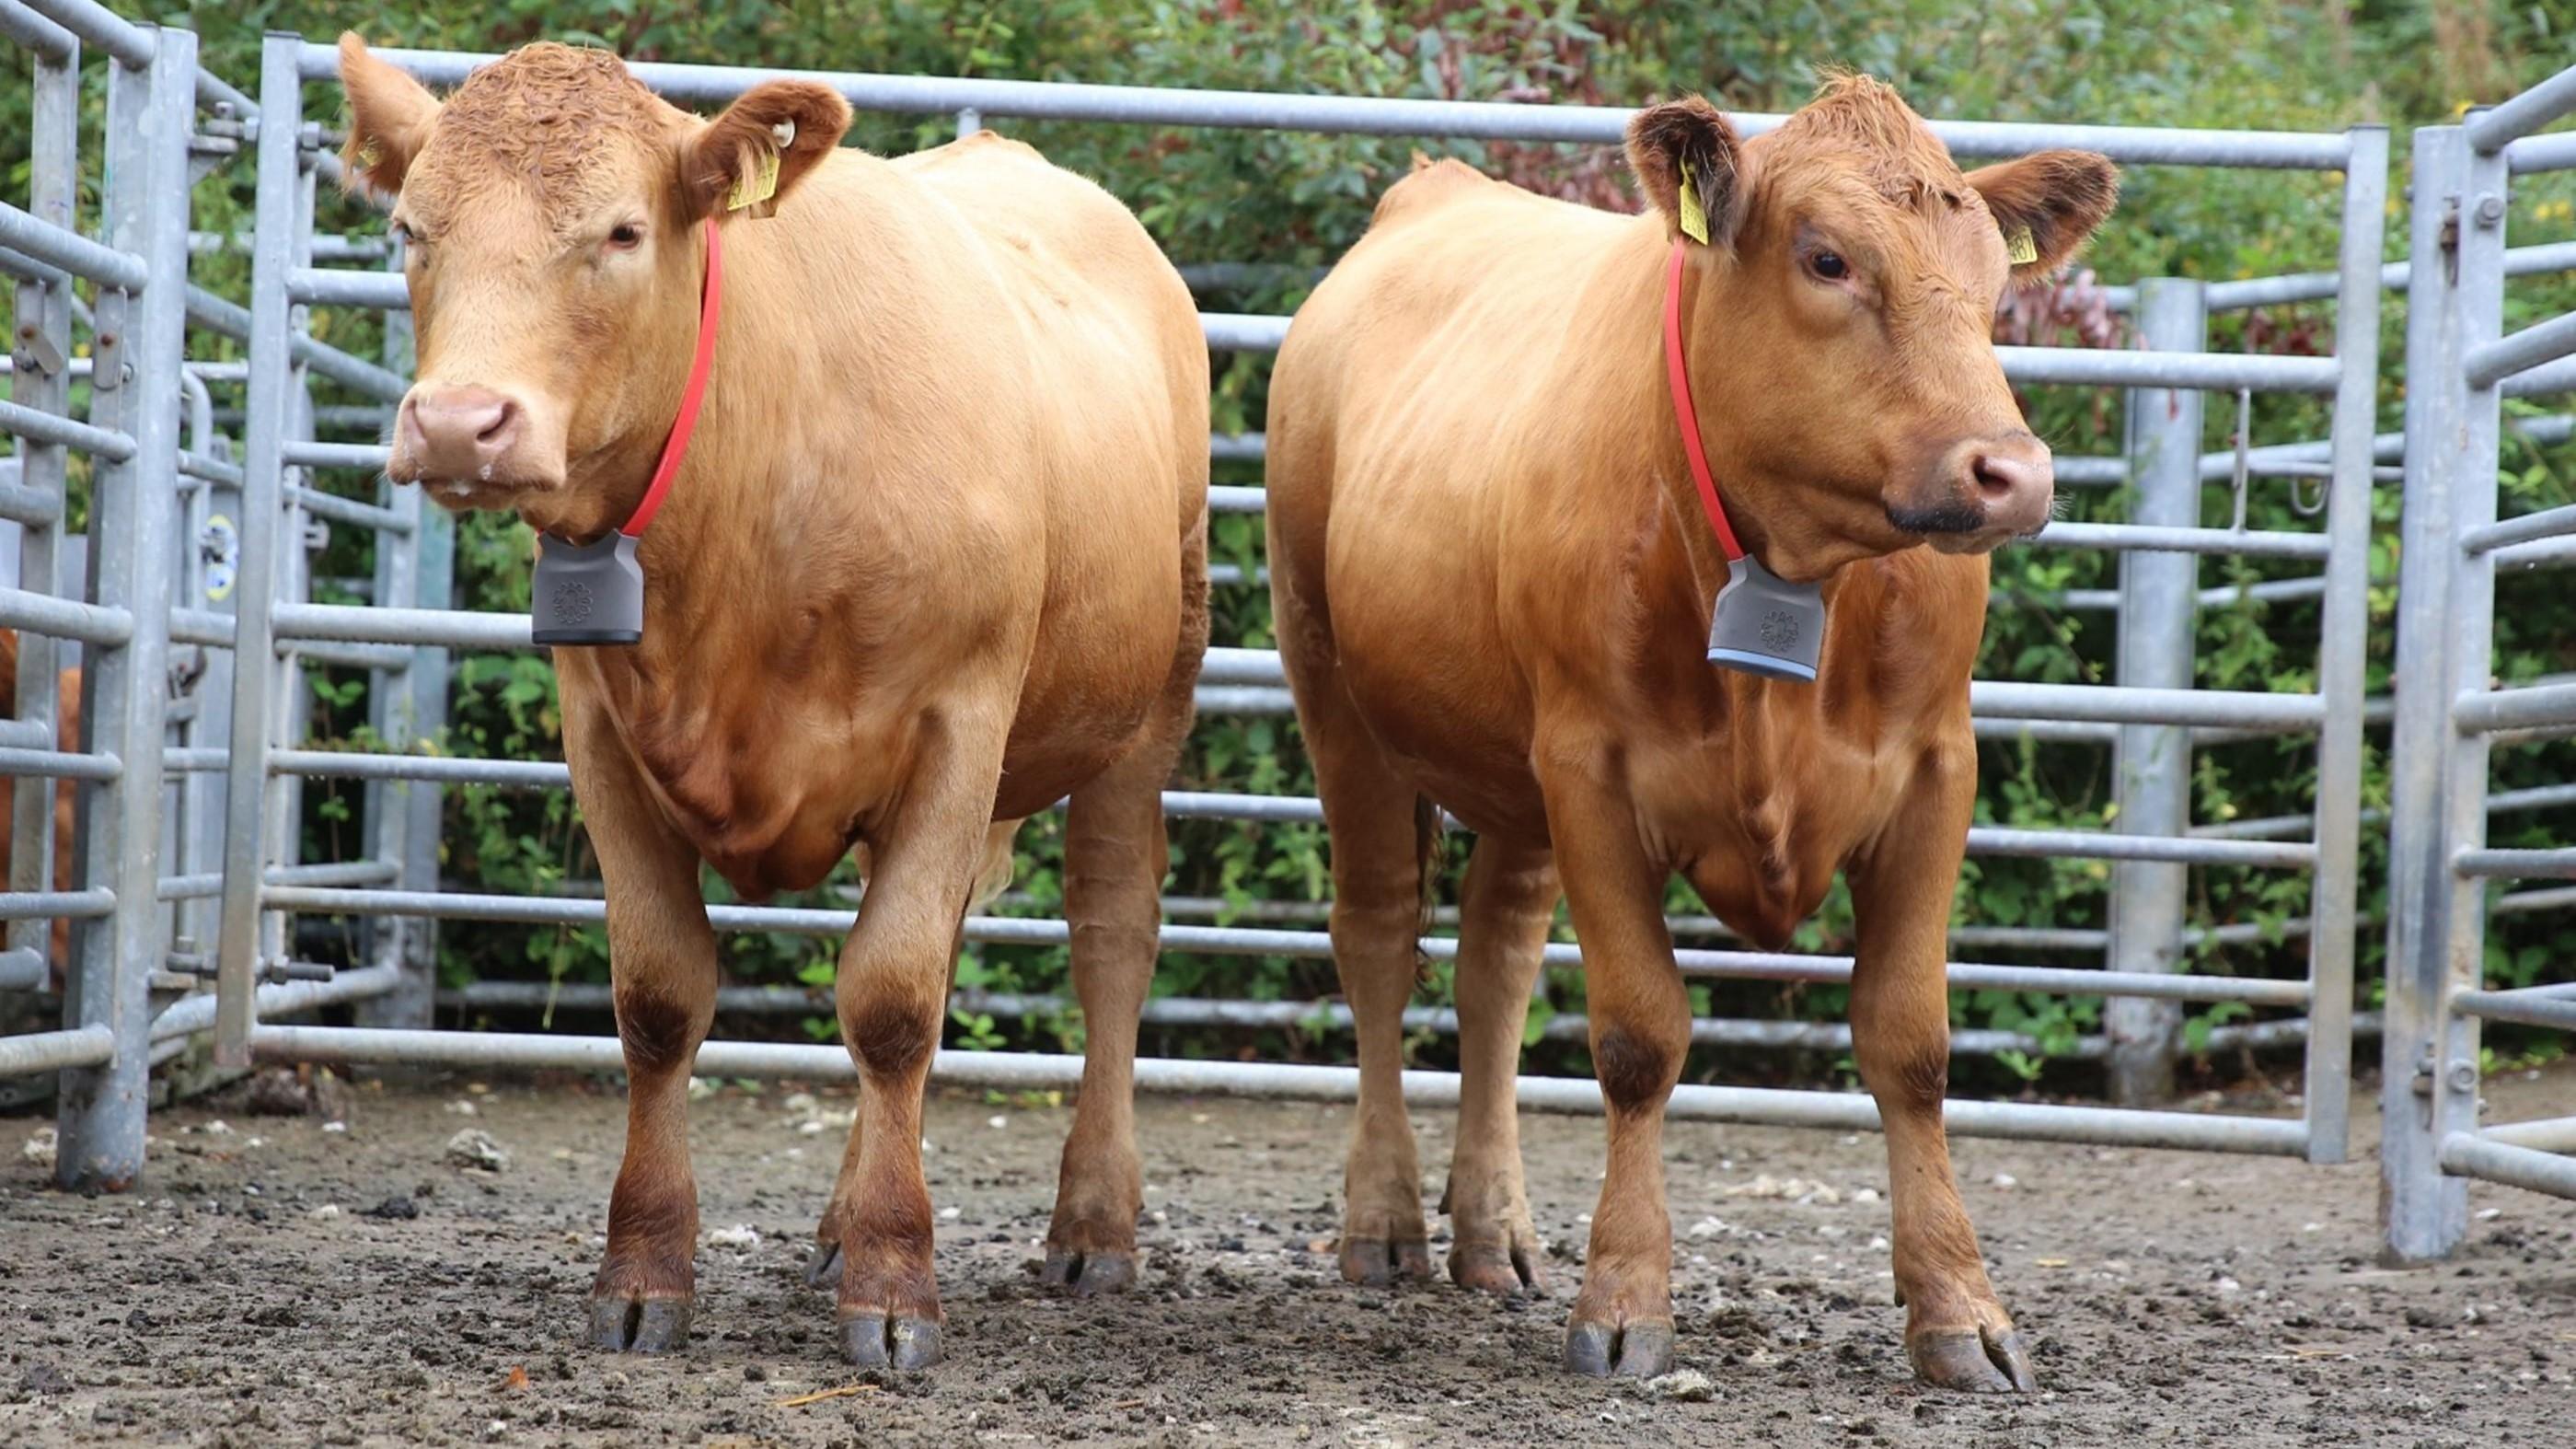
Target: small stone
798,1102
998,1123
949,1214
2006,1179
810,1128
1864,1194
1683,1386
394,1209
474,1148
43,1378
326,1213
740,1236
219,1128
701,1088
463,1108
40,1146
335,1126
1706,1228
2488,1215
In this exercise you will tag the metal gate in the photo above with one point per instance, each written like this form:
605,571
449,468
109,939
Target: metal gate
406,635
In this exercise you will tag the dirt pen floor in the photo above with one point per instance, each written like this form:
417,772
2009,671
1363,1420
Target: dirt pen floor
285,1281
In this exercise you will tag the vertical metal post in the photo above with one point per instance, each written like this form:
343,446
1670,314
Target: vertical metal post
969,121
2159,611
268,418
2428,1088
412,571
135,506
41,378
2343,649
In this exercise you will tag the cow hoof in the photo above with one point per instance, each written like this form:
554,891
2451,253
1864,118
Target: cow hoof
1639,1350
1492,1268
1975,1361
823,1268
872,1340
1380,1263
1087,1274
639,1325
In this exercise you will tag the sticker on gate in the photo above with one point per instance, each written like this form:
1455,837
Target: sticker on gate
220,547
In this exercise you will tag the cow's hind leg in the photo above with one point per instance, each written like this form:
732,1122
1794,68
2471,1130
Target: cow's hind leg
1509,898
1382,838
663,963
1115,857
1956,1332
892,992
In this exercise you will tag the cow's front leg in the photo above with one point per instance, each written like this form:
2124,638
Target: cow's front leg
893,994
663,962
1956,1333
1623,1319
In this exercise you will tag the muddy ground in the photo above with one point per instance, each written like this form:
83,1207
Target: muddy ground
279,1281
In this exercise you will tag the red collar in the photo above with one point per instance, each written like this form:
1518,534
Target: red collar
676,448
1679,374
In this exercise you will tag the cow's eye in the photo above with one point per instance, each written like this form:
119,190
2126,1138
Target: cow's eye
625,237
1828,265
401,234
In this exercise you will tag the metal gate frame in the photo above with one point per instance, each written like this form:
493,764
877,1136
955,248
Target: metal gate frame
284,280
404,637
2459,369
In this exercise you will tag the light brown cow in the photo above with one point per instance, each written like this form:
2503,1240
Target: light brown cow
1493,581
937,559
67,687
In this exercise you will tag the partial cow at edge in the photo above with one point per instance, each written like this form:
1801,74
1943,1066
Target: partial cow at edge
936,560
1493,579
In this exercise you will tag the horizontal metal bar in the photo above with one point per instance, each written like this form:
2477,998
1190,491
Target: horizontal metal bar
348,287
366,457
1238,447
2522,1008
2554,898
2546,1134
2105,845
329,873
2539,553
2236,295
47,905
2466,1155
1373,116
23,231
2533,706
2547,378
2547,523
24,968
1029,1071
65,618
51,1051
2143,538
2517,864
201,626
35,33
2491,131
1240,941
356,373
196,1012
131,43
58,764
2554,152
349,511
352,765
1226,498
37,425
210,470
34,507
2489,362
436,628
325,246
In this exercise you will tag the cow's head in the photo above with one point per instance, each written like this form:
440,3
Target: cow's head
1841,334
550,210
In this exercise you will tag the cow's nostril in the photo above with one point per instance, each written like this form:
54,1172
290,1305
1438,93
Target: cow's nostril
1995,478
504,418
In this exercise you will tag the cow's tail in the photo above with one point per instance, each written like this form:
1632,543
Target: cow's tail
1430,852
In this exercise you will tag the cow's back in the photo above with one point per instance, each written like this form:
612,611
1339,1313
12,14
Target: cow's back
1427,404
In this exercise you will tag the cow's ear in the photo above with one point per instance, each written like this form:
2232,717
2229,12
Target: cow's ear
2047,204
390,116
750,157
1691,166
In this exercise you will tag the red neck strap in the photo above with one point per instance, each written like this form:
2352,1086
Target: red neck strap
1678,372
676,448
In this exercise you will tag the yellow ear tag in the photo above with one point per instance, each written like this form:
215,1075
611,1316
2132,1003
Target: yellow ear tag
1694,221
759,186
2019,246
369,154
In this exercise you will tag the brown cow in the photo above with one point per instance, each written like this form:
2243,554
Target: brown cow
936,560
1493,579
